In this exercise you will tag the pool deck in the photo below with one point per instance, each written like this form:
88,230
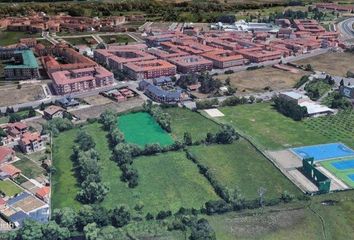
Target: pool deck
336,184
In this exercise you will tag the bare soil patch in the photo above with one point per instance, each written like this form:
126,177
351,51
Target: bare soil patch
11,94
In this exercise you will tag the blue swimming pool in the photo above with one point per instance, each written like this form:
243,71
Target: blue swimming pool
344,165
351,176
324,151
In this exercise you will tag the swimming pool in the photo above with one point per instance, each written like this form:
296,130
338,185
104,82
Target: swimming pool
324,151
344,165
351,176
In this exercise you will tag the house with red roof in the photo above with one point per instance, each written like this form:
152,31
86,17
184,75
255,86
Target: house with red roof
14,132
31,142
6,155
43,193
10,171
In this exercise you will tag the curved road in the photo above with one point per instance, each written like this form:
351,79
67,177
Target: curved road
346,28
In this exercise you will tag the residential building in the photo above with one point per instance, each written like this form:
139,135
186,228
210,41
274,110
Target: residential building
191,63
78,80
347,91
31,142
53,111
43,193
149,69
23,66
9,171
224,58
6,154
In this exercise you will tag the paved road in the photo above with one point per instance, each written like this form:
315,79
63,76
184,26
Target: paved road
49,99
346,28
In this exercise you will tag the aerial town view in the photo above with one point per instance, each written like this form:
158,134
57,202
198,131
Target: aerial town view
176,119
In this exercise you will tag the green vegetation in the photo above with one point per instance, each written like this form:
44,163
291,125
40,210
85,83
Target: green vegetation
169,181
184,120
81,41
270,129
341,174
141,128
29,168
337,128
9,188
317,88
240,166
7,37
119,38
64,182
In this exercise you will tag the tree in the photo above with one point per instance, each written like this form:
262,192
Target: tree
65,217
84,140
92,192
309,68
187,138
52,230
116,136
201,230
226,135
31,230
31,113
122,154
120,216
42,106
91,231
14,117
108,118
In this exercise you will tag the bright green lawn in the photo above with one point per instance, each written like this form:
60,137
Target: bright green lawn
240,165
64,183
141,128
184,120
341,174
9,188
29,168
269,128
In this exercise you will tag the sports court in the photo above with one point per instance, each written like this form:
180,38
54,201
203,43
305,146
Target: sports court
324,151
342,169
141,128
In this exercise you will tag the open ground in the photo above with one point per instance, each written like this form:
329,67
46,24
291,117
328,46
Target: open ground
7,37
270,129
11,94
333,63
257,80
184,120
118,38
240,166
141,128
9,188
166,181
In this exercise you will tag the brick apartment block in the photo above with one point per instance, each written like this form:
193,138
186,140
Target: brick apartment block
150,69
191,63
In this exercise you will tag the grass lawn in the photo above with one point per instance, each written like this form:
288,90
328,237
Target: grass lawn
239,165
270,129
341,174
81,40
119,38
291,221
141,128
7,37
184,120
64,183
170,181
9,188
29,168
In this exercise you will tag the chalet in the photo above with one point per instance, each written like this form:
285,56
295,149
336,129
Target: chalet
31,142
9,171
6,154
53,112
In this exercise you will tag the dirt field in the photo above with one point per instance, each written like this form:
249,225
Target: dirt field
95,111
257,80
97,100
334,63
10,95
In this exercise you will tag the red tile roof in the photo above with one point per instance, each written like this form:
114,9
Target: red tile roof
4,152
43,192
10,169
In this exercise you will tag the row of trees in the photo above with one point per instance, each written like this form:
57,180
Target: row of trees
57,125
161,117
87,169
289,108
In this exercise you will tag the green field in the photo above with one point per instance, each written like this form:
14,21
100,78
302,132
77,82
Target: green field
7,37
64,183
80,40
141,128
9,188
341,174
119,38
240,166
184,120
29,168
170,181
270,129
